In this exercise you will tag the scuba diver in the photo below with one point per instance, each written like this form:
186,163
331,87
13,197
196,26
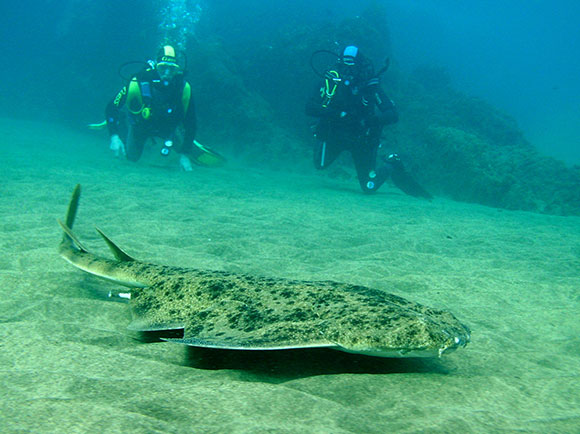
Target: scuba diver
156,102
352,109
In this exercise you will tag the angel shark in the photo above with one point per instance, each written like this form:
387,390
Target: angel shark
218,309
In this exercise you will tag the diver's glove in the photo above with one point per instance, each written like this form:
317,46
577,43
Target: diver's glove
117,145
185,163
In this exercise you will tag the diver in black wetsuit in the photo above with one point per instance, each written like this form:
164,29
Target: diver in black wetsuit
157,102
353,109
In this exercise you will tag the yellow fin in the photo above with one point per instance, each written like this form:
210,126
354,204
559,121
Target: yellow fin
98,126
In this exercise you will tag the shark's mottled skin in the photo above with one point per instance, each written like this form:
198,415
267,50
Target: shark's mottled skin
218,309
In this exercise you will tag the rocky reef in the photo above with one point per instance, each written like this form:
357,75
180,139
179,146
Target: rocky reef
463,148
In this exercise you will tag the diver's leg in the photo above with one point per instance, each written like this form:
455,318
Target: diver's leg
325,152
135,143
369,178
186,151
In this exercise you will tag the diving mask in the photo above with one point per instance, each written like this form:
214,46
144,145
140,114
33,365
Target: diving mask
167,70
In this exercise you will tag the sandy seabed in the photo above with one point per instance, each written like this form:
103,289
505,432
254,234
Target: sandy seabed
68,364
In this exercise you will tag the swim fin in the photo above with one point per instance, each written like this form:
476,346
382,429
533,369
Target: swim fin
206,157
98,126
403,179
203,157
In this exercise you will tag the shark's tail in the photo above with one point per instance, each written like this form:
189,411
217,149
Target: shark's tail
71,242
73,251
73,206
69,239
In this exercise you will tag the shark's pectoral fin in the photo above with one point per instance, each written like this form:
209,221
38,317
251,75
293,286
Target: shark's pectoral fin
247,343
144,325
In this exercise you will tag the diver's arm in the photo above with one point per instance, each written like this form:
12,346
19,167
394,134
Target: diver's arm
113,117
315,109
388,113
315,106
113,111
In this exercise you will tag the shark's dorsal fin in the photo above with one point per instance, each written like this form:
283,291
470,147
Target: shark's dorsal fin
117,251
71,237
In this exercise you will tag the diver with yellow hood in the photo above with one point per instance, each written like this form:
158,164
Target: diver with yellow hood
157,102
